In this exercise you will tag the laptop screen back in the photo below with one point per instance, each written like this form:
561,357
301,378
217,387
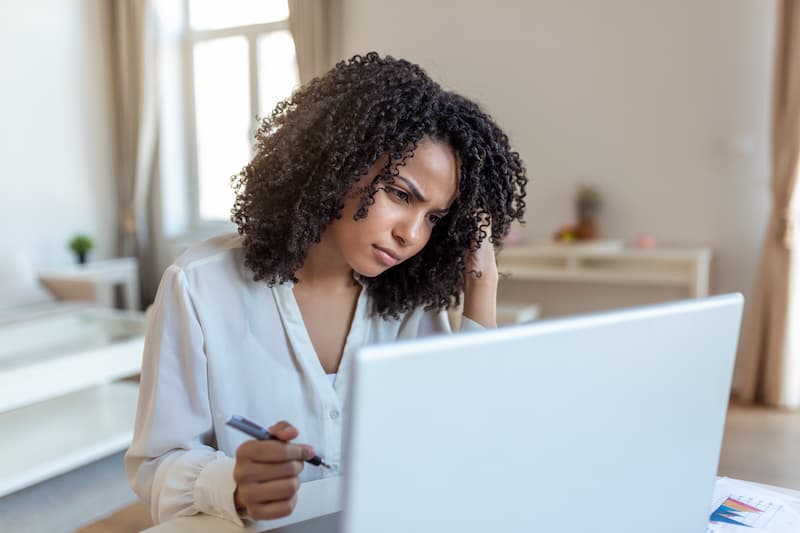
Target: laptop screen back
610,422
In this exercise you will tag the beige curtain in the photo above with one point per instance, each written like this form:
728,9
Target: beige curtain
132,27
772,337
316,28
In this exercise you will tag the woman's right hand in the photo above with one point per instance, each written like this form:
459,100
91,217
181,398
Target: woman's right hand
266,473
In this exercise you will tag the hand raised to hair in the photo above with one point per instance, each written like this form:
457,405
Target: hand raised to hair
481,264
481,279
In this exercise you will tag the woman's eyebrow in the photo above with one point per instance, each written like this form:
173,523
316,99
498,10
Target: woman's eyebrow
414,190
417,193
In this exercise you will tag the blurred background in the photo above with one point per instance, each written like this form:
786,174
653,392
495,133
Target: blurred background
657,123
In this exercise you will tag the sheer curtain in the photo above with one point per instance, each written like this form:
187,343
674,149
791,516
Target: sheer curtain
132,27
316,28
771,366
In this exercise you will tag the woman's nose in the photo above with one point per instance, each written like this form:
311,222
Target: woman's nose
409,232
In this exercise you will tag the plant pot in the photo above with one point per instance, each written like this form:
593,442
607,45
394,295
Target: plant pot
586,229
81,257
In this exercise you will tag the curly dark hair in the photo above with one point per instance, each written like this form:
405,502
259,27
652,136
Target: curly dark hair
317,144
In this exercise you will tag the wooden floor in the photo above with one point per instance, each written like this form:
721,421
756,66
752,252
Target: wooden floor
759,445
762,445
131,519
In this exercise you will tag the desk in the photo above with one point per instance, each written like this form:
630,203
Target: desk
95,281
317,509
318,504
789,492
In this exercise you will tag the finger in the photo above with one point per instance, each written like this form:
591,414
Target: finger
283,431
273,451
251,472
276,490
269,491
272,509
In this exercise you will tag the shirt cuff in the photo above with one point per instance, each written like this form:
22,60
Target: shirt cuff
214,487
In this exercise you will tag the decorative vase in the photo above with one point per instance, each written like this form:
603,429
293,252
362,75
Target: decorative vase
81,258
586,229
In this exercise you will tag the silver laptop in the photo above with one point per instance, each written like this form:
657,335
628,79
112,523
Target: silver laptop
603,423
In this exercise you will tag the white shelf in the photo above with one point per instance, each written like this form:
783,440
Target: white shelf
52,437
667,279
579,251
665,267
596,246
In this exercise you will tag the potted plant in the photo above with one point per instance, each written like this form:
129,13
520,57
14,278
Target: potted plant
587,205
81,245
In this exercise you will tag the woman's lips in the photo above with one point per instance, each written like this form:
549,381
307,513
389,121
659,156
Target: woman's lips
385,256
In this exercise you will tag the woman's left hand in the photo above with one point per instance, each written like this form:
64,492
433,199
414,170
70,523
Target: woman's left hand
481,263
480,282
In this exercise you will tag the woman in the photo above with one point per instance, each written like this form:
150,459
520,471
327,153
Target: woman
371,205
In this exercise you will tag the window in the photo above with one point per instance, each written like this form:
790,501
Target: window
239,62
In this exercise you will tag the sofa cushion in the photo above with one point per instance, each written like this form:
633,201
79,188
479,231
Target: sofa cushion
19,285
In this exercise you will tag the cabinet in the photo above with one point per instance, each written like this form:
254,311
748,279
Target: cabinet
670,267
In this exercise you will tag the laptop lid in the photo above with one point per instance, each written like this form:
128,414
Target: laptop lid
609,422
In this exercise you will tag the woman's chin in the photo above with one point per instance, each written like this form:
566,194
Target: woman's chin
374,273
369,271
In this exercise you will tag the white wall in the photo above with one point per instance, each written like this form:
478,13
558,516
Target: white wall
56,176
663,104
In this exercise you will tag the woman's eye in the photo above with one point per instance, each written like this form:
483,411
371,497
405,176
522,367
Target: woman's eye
434,218
401,194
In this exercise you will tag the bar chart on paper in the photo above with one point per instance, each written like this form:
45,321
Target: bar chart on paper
739,507
754,512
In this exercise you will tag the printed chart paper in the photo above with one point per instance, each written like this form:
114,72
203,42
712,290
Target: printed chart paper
739,506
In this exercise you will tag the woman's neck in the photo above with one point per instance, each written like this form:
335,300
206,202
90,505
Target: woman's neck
325,268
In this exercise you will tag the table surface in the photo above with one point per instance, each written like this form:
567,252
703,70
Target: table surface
783,490
93,267
22,343
318,503
305,519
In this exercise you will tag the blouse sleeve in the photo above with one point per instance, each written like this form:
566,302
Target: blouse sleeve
171,464
421,323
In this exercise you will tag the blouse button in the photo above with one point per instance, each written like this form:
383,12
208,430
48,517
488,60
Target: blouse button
334,414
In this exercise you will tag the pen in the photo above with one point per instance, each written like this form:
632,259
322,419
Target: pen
258,432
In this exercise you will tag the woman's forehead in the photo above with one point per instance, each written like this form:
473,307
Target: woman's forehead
434,168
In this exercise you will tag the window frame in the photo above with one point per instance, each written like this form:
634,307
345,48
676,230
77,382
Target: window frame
251,32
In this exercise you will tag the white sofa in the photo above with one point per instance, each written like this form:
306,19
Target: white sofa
22,296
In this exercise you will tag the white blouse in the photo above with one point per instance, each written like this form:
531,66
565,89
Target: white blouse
219,343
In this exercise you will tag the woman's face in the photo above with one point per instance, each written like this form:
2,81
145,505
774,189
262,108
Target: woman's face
399,223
